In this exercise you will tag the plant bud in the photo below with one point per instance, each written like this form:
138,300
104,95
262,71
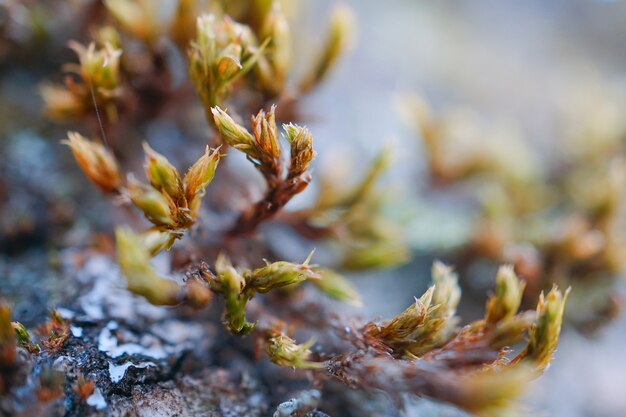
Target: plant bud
199,176
507,298
447,291
302,152
232,281
99,68
161,174
284,351
266,134
98,164
234,134
155,206
281,274
544,335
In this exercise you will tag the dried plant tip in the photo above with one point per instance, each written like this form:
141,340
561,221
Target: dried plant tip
266,135
284,351
161,174
302,152
507,298
281,274
83,387
134,261
98,163
54,333
544,334
199,176
401,331
338,287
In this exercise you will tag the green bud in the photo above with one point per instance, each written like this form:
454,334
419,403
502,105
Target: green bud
234,134
99,68
544,335
281,274
507,298
156,207
231,281
200,176
134,261
161,174
284,351
21,333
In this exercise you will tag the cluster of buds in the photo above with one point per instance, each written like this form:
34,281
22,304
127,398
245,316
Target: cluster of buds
170,201
236,286
263,148
427,323
222,53
99,72
240,286
428,330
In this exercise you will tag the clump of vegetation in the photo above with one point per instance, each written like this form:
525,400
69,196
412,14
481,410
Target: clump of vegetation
238,58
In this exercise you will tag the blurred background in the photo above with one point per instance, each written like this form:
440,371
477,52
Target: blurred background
521,62
523,66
